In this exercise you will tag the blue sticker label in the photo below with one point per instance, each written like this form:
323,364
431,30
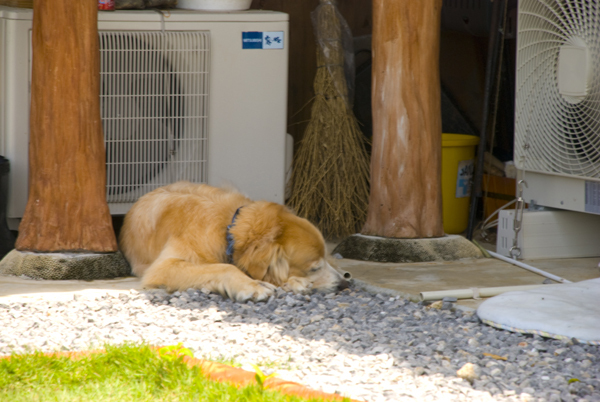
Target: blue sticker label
262,40
464,177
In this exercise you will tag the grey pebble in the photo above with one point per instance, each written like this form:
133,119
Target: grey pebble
364,346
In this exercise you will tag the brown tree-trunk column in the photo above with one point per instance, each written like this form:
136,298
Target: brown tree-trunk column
405,199
66,209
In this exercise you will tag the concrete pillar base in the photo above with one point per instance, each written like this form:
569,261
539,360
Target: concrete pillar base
386,249
60,266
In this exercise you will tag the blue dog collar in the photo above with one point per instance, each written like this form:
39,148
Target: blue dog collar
229,237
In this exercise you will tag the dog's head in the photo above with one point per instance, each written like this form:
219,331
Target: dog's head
281,248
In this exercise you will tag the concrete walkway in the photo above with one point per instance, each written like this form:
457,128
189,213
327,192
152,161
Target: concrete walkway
393,278
412,279
20,289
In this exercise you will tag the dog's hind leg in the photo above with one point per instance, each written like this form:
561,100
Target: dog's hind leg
178,274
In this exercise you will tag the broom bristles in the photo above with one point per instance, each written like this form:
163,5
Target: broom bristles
330,178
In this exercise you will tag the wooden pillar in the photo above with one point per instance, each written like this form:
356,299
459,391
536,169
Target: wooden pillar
405,199
66,209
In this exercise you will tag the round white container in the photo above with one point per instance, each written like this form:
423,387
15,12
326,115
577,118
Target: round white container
215,5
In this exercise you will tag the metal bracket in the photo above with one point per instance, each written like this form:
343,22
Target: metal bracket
515,251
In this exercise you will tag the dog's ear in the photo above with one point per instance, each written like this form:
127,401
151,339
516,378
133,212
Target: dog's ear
258,251
266,262
279,269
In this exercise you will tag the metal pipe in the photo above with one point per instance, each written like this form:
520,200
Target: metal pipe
529,267
491,76
473,293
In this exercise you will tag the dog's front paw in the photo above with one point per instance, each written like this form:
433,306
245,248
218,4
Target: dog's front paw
254,290
297,285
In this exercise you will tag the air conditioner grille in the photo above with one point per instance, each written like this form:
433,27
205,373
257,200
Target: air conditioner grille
557,121
154,108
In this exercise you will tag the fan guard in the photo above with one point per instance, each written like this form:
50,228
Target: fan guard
154,109
557,119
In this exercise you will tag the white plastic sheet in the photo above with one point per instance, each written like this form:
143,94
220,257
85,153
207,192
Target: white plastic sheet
558,311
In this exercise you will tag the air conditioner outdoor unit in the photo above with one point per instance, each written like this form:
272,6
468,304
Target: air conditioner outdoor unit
557,120
185,95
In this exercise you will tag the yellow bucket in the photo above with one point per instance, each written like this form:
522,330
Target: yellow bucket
458,165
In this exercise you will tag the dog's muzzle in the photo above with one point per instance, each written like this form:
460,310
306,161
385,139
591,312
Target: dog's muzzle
345,281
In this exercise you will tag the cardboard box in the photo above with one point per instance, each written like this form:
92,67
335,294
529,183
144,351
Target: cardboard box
17,3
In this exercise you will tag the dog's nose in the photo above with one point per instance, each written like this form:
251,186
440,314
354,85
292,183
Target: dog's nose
343,284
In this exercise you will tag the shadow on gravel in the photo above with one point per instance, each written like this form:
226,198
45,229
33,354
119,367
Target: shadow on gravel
392,333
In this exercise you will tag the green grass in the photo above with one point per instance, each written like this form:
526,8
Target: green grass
123,373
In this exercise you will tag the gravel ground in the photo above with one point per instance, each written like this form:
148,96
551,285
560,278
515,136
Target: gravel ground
361,345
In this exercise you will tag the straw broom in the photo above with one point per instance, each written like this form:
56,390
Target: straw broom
330,178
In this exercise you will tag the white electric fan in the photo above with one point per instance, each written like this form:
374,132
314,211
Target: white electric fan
557,118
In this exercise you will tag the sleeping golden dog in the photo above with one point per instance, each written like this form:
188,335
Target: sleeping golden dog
188,235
